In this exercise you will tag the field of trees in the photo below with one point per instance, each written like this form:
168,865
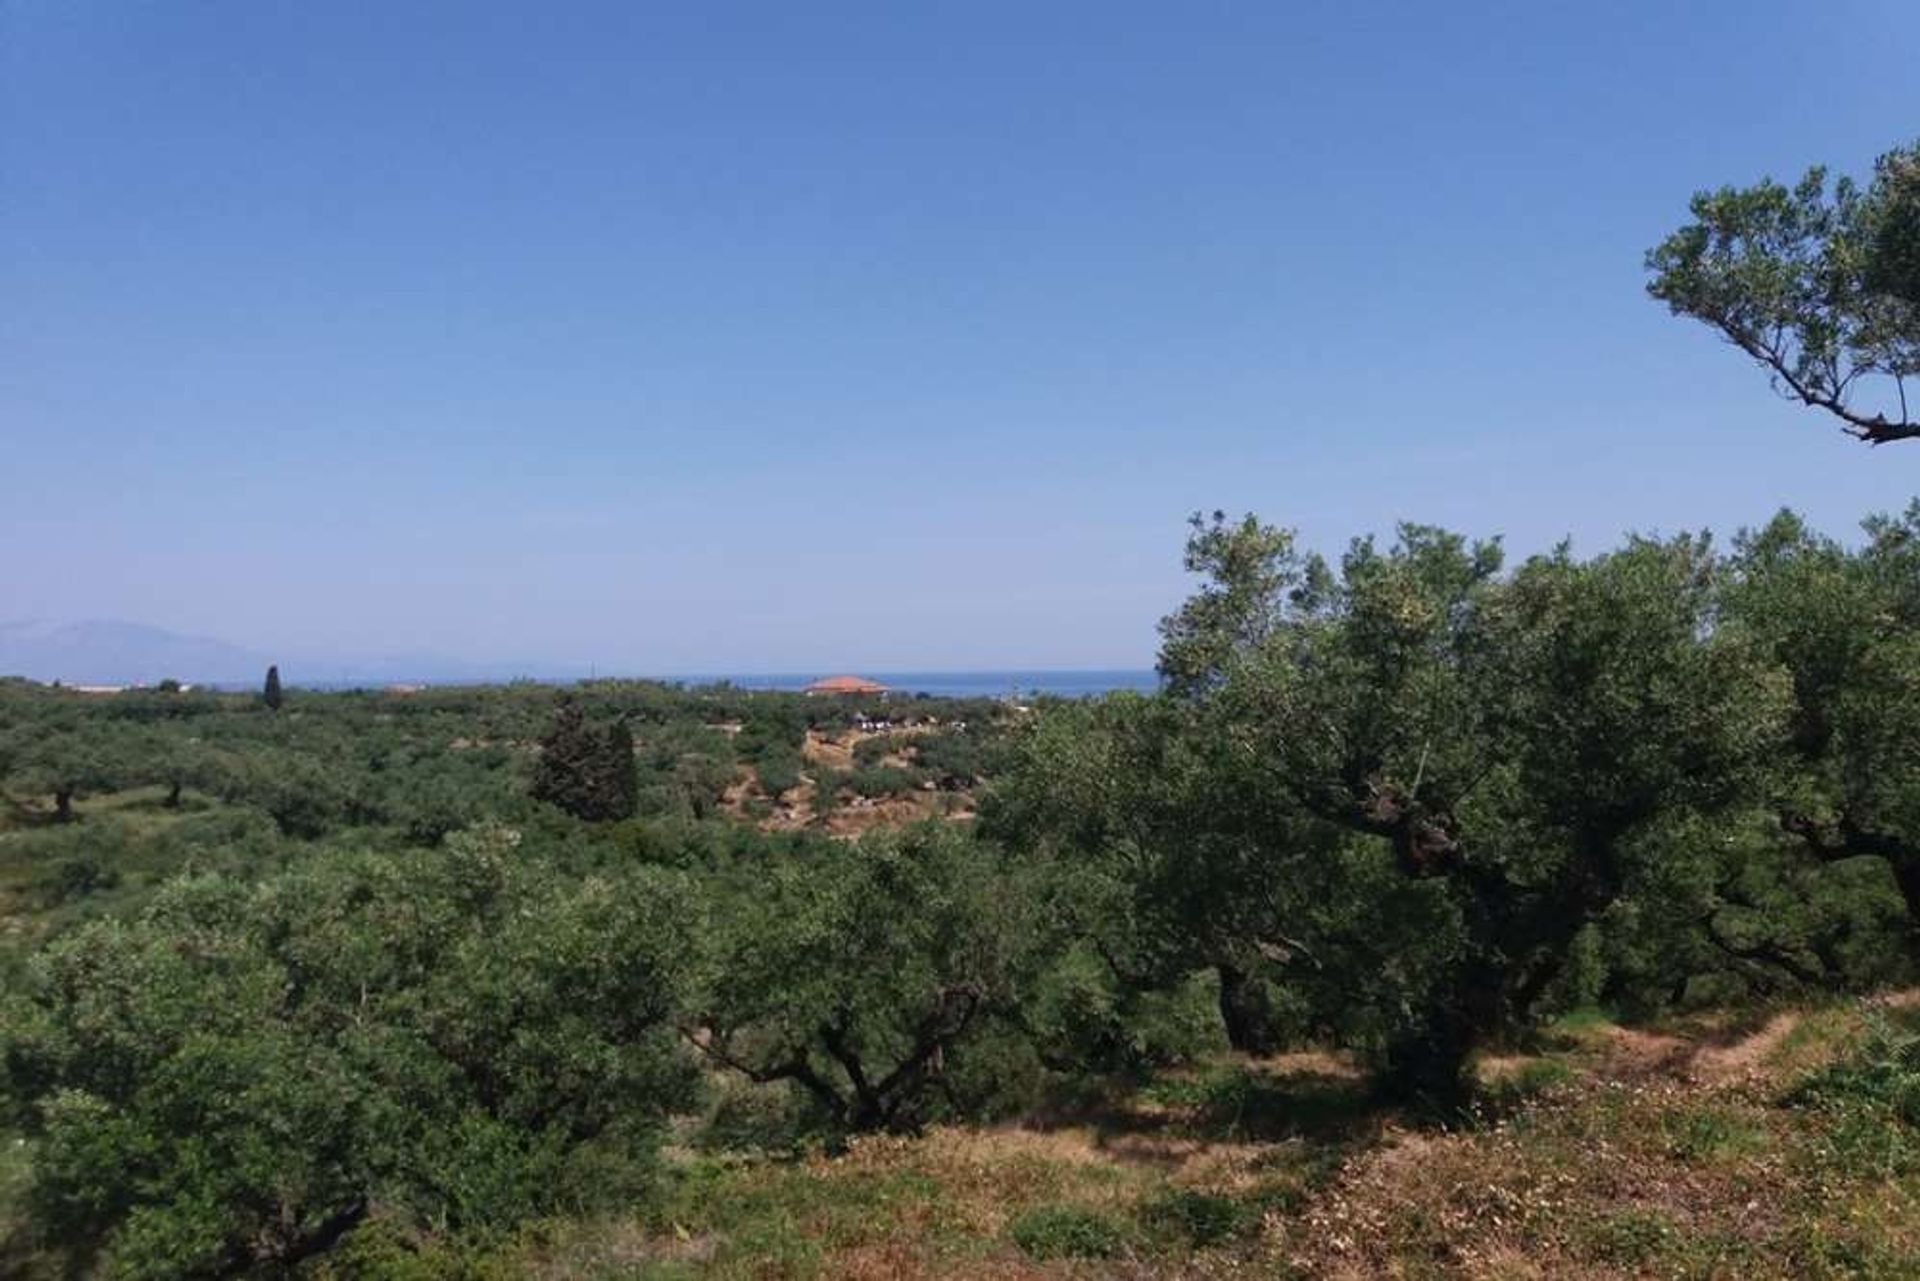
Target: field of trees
1439,915
1419,862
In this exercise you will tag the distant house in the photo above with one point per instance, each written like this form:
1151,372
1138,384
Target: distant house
846,685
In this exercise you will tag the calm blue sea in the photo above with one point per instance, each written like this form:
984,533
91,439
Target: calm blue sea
993,684
1065,684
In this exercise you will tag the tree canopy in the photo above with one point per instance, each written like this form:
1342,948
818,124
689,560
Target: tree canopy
1818,282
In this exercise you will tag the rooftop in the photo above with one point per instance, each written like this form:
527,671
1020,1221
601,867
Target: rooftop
846,685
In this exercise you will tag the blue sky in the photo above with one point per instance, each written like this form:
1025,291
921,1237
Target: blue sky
779,337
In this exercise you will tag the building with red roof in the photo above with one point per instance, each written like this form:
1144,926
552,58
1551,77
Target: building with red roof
846,685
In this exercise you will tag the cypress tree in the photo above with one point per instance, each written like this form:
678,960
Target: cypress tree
588,774
620,786
272,694
560,771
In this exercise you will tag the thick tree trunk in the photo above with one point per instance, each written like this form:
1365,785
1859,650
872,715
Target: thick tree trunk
1426,1065
323,1236
173,796
63,806
1246,1012
1906,874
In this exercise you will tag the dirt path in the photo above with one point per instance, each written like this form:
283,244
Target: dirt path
1633,1051
1720,1064
1746,1057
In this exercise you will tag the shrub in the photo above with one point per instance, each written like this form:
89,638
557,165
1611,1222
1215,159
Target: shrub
1203,1218
1084,1018
1069,1232
779,772
869,752
882,780
1874,1096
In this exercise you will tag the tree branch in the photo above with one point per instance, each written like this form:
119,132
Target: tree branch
1877,430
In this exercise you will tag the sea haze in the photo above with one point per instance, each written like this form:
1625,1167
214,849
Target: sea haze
123,653
980,684
1068,683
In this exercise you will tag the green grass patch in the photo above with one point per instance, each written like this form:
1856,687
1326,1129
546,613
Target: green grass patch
1509,1091
1708,1132
1628,1238
1070,1232
1871,1098
1199,1219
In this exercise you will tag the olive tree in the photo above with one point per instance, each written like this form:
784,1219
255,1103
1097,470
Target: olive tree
1845,624
233,1079
1404,784
1820,284
857,971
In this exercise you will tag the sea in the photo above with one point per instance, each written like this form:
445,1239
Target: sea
1059,683
985,684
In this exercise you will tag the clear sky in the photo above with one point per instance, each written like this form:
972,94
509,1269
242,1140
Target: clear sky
701,337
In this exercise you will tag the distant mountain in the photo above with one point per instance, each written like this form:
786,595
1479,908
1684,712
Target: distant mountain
104,652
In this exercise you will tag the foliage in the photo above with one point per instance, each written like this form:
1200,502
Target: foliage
881,780
1843,626
240,1072
1821,286
1400,787
284,986
855,972
587,773
1069,1232
1873,1093
1200,1218
778,772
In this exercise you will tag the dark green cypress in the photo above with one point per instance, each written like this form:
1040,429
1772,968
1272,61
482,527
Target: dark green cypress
620,785
588,774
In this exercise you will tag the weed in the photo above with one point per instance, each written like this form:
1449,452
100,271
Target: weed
1069,1232
1707,1132
1630,1238
1873,1096
1200,1218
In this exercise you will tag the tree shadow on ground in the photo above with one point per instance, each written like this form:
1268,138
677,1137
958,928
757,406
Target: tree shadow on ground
1245,1102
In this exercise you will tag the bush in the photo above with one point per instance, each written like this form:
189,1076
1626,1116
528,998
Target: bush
78,877
869,752
746,1117
779,772
1069,1232
1202,1218
1083,1018
882,780
954,758
1874,1096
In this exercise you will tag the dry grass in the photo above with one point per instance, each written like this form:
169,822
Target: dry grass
1645,1153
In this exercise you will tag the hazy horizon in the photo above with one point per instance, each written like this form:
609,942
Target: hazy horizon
122,652
752,339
